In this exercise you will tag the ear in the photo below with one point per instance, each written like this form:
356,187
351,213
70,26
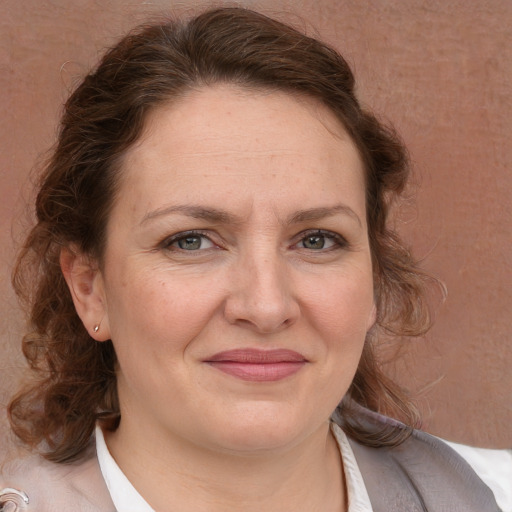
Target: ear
85,283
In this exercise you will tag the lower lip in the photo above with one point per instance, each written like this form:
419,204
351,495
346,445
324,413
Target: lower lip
259,372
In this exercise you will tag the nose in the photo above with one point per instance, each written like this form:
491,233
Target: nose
261,296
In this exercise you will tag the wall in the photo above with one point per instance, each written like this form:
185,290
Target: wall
440,70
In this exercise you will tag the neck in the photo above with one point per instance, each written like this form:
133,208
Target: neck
177,475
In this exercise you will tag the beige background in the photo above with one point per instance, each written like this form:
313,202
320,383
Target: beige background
441,70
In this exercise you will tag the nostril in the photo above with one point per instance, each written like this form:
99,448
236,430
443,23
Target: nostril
264,323
260,296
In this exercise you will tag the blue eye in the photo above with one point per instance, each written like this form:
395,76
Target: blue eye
314,242
189,242
319,240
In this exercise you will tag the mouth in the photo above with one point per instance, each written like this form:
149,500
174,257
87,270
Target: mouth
258,365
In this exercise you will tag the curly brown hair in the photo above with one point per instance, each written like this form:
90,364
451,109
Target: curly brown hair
75,383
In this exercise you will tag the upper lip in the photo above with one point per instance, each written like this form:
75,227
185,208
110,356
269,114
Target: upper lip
257,356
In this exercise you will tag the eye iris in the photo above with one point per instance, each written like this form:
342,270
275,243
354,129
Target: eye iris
190,243
314,242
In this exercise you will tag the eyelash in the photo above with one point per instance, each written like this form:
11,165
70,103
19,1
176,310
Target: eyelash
168,242
339,241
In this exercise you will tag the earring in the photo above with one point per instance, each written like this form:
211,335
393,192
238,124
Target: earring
96,328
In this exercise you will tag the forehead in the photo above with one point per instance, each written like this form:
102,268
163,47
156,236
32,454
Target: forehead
242,145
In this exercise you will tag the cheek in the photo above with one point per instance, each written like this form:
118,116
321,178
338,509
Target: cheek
155,312
343,306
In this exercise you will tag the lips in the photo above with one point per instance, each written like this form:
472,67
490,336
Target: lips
258,365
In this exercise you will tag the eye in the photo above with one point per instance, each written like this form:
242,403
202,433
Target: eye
188,241
321,240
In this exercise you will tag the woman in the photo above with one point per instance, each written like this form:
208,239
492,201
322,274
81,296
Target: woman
209,273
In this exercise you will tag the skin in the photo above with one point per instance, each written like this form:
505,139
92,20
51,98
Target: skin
280,260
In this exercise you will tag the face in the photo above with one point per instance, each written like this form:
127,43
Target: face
237,281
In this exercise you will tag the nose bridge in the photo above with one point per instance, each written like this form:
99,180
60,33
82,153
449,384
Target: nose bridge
266,275
262,295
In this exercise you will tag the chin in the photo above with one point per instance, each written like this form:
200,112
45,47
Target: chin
260,431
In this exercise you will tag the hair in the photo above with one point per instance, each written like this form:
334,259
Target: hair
75,377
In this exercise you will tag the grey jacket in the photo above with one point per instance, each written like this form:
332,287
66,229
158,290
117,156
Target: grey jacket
422,474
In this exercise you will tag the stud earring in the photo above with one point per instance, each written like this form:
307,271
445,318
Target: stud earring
96,328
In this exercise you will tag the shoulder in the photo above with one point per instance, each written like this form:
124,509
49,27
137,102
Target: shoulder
422,473
30,483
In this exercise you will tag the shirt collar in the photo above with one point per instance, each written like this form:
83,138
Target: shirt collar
126,498
358,499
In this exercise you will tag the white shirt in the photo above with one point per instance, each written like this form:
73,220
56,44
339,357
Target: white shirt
123,494
494,467
126,498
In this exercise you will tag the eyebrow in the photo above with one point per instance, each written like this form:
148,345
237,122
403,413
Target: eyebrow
196,212
223,217
321,213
